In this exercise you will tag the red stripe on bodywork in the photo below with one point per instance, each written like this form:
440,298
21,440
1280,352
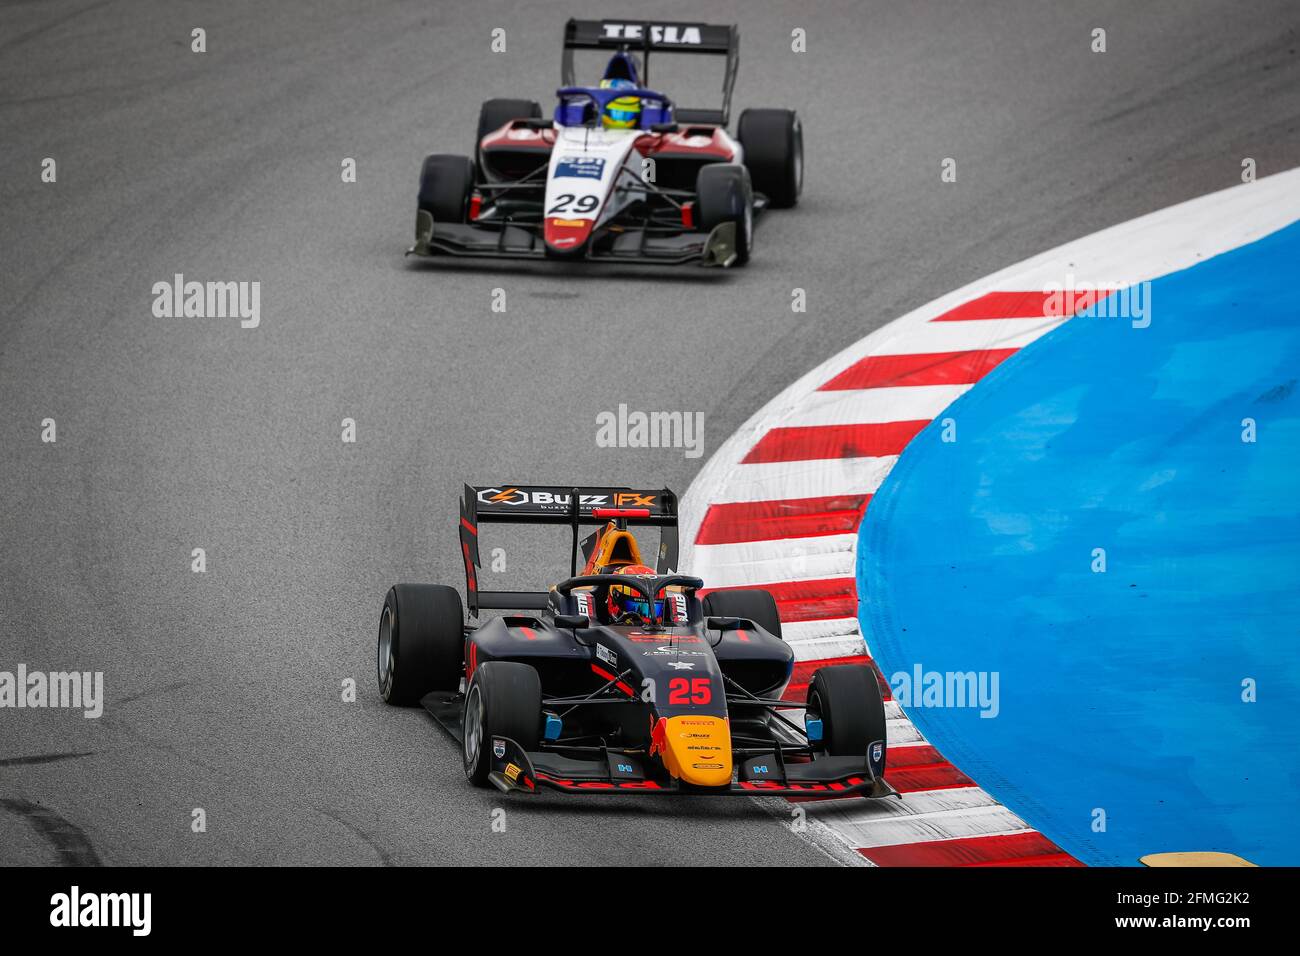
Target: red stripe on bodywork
470,577
817,442
601,672
927,368
522,140
789,518
941,776
1022,305
1008,849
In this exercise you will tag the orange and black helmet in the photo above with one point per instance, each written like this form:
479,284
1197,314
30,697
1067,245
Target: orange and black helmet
625,601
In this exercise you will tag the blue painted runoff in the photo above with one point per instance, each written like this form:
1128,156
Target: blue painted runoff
1153,705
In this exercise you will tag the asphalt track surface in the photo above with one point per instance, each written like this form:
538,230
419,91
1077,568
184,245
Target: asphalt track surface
223,688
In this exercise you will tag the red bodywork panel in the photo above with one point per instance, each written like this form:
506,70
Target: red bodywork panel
690,142
507,138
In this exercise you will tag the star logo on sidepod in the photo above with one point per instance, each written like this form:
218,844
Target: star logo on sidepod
681,665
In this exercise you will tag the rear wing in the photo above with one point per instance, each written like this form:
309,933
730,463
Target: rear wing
575,507
644,36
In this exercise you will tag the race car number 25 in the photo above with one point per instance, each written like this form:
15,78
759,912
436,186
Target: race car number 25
695,690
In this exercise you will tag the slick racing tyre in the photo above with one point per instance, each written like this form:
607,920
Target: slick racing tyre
421,642
723,194
494,114
504,699
773,143
445,186
847,700
752,604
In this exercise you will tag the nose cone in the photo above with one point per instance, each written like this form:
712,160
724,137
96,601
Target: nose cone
695,749
566,236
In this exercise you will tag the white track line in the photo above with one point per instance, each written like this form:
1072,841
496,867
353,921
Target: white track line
862,406
795,479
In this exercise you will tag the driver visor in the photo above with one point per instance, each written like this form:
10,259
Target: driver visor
641,606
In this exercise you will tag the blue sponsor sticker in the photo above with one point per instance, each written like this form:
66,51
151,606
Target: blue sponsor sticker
580,167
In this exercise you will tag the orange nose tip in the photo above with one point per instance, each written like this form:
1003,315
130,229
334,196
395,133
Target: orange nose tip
695,749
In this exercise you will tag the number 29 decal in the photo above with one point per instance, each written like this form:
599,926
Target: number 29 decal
568,202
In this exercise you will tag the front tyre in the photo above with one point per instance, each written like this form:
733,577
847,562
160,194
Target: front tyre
421,644
847,700
723,193
504,699
773,144
445,186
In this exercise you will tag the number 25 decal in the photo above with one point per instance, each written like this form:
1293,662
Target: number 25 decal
565,203
697,690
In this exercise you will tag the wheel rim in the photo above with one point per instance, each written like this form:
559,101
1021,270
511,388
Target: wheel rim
386,663
473,728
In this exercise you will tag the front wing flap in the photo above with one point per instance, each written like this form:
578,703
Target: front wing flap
825,777
515,770
632,246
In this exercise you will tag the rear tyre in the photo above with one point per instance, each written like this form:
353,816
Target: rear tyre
752,604
723,193
504,699
445,186
847,699
494,114
773,143
421,642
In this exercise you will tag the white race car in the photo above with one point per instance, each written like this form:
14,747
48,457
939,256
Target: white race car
619,173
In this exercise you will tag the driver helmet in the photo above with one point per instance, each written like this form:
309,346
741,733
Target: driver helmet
625,601
623,112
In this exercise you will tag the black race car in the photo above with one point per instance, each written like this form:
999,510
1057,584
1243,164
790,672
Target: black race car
622,678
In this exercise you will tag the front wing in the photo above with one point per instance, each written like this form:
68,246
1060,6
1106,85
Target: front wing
632,246
515,771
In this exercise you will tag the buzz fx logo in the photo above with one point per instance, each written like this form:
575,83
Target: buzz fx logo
515,496
502,496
